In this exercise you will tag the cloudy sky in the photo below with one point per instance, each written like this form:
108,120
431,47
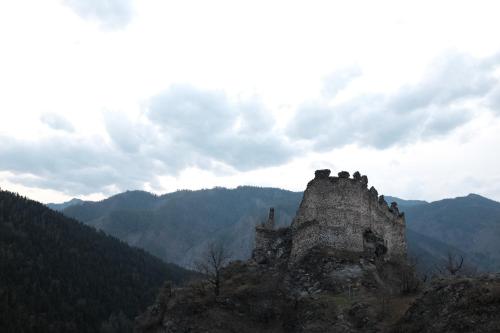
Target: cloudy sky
97,97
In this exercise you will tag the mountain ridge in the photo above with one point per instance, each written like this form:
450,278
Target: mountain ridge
181,223
401,202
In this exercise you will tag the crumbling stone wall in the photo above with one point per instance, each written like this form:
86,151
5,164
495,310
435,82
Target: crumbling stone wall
340,211
337,212
271,244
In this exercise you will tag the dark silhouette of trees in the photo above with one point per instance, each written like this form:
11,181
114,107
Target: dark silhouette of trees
58,275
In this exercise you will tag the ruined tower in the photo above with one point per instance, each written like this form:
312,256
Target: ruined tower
270,221
340,213
270,243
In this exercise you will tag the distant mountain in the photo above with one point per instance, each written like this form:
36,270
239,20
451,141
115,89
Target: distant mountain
63,205
471,224
429,254
403,204
177,226
58,275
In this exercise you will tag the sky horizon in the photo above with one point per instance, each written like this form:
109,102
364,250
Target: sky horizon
232,188
99,97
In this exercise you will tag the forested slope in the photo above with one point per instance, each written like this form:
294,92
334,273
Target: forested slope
58,275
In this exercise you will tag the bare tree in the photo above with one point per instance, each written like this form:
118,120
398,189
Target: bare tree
211,262
454,263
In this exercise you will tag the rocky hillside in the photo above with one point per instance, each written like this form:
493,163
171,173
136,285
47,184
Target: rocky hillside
327,291
455,305
59,275
322,294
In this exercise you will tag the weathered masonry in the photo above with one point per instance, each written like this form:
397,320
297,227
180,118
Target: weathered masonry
337,212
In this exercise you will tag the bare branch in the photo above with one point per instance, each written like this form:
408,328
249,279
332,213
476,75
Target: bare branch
454,263
211,263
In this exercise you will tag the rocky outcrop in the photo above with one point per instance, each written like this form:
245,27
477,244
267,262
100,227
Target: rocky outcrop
455,305
325,291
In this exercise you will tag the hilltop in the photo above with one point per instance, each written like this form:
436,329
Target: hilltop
328,272
340,267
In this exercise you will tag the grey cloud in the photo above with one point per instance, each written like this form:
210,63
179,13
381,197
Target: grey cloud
445,120
128,136
362,121
253,119
57,122
73,166
183,127
188,127
431,108
339,79
76,182
493,100
191,115
41,156
452,78
111,14
207,125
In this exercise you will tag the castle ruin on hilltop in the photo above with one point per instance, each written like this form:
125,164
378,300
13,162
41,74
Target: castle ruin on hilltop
336,212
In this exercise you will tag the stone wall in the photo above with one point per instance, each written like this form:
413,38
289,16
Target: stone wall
270,243
341,212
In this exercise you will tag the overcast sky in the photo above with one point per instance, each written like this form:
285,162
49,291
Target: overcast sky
98,97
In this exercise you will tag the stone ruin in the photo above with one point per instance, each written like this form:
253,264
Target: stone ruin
336,212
